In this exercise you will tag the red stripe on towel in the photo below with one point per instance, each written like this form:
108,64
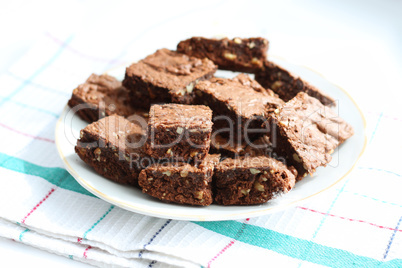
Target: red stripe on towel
231,243
38,205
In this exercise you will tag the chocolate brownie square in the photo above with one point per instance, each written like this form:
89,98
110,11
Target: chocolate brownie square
306,132
238,54
113,147
287,85
179,131
100,96
166,76
239,106
180,182
251,180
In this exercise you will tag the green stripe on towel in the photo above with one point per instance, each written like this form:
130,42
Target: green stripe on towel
294,247
51,174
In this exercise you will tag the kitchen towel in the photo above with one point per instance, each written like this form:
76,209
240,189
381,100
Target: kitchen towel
355,223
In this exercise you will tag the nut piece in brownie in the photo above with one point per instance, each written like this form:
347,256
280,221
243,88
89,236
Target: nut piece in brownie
238,54
239,109
113,147
166,76
251,180
287,85
180,182
100,96
179,131
306,132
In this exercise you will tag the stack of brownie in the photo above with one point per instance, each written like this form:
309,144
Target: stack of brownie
185,136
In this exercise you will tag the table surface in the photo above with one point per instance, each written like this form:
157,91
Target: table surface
359,38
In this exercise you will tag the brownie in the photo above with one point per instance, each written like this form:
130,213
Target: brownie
100,96
238,54
306,132
262,147
247,81
113,147
180,182
251,180
226,147
259,147
287,85
179,131
238,107
166,76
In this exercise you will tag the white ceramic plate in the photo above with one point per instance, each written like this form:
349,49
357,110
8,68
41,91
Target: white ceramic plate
344,159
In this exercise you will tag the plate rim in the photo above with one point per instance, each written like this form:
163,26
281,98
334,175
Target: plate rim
192,217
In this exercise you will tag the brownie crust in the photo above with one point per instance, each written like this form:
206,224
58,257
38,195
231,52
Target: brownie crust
237,100
287,85
238,54
100,96
166,76
306,132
